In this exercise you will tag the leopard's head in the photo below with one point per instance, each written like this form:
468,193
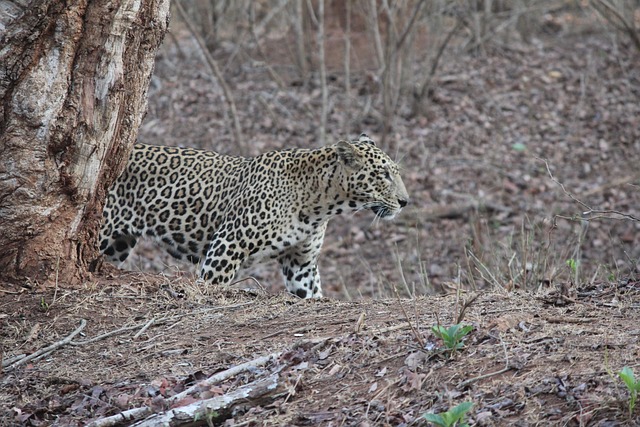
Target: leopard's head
370,179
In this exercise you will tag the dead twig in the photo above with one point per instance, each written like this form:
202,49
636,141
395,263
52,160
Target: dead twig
557,319
590,213
426,84
253,279
256,41
285,331
466,304
144,328
506,368
107,334
347,66
375,28
49,348
609,12
392,328
611,184
413,330
129,415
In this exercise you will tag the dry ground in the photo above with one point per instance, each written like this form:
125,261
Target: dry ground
544,349
532,359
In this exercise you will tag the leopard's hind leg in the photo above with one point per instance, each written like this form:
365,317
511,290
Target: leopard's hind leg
117,247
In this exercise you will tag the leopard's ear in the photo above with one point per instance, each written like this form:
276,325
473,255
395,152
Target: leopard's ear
348,155
365,138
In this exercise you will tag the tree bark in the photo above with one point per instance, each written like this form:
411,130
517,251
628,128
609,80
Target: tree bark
73,88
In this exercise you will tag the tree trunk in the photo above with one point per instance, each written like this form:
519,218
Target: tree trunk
73,88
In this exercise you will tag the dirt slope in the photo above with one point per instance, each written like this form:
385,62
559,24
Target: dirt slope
531,359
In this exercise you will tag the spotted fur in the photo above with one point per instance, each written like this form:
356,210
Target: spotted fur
225,213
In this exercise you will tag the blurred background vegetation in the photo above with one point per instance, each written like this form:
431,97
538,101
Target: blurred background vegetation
488,105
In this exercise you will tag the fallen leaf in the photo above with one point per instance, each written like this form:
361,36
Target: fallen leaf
415,359
336,368
382,372
412,380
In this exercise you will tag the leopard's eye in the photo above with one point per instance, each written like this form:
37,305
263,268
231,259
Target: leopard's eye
387,175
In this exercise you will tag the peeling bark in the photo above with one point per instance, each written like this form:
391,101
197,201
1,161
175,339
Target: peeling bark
73,89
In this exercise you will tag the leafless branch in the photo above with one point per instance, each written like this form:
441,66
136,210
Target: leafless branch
298,29
49,348
434,65
273,11
213,66
256,40
410,25
375,28
347,66
615,18
323,73
587,215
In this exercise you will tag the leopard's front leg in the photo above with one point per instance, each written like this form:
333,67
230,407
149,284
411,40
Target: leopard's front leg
300,267
223,259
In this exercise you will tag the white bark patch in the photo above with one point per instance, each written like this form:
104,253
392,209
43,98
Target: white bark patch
110,66
73,227
9,12
49,81
90,157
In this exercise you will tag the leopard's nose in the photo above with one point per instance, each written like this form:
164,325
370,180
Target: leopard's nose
403,202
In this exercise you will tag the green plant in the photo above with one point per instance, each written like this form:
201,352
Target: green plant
572,264
451,417
207,415
626,374
452,336
44,306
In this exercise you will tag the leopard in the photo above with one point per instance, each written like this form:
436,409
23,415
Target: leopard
226,213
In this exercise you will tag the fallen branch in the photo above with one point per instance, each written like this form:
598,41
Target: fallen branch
454,211
221,376
107,335
10,360
138,413
49,348
463,384
130,415
210,408
559,319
